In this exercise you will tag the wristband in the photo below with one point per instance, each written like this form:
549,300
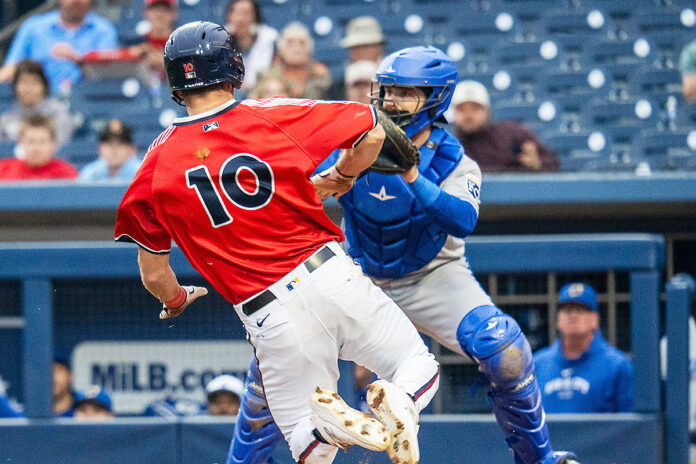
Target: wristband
176,301
341,174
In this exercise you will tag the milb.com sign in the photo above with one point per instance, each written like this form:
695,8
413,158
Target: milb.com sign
137,373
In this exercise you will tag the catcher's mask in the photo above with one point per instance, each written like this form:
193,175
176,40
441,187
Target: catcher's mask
427,68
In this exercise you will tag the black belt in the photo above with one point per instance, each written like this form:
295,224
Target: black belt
265,297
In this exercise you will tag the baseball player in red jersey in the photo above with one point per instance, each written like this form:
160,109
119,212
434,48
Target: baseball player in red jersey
230,184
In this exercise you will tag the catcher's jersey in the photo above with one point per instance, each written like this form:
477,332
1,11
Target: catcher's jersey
232,188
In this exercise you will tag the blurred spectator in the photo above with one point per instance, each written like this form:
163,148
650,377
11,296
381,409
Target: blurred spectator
32,96
117,156
358,79
255,39
174,407
37,148
51,37
687,66
63,395
93,404
8,408
149,48
496,146
365,42
271,86
581,372
224,394
294,63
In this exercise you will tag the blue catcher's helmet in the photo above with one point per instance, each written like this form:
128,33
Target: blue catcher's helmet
200,54
425,67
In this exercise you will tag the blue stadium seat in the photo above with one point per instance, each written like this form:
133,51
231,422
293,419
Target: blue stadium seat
574,152
527,54
618,77
665,150
623,113
79,152
656,83
601,52
479,55
7,149
6,96
106,97
565,83
668,46
571,22
656,20
483,26
526,113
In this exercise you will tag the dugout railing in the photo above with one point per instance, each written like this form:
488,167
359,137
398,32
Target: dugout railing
635,438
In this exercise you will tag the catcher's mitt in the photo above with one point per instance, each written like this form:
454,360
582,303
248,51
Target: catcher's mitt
398,154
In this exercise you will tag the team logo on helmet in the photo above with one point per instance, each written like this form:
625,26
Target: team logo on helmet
188,69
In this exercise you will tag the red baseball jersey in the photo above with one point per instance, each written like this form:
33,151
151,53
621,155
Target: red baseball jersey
232,188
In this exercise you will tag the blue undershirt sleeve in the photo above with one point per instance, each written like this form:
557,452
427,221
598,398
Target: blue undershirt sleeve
456,216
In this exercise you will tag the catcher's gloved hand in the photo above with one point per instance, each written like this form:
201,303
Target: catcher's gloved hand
398,153
187,295
332,183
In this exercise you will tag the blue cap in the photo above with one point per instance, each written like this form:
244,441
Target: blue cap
579,293
94,394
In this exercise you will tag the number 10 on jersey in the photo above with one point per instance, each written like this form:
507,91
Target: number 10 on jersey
199,179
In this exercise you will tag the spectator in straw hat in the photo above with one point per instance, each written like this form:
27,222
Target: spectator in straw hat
365,42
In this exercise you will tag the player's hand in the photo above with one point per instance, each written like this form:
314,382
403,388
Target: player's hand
192,294
332,183
411,175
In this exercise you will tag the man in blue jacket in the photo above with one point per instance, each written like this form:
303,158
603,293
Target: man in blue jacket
407,232
581,371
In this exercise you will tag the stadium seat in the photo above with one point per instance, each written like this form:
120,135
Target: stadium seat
526,54
489,25
7,149
110,98
80,152
563,22
526,113
565,83
574,150
606,52
665,150
624,113
659,84
658,20
479,55
668,46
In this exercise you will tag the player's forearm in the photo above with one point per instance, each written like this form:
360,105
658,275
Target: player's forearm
455,216
158,277
354,161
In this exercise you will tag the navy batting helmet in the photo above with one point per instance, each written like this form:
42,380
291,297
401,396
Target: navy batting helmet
200,54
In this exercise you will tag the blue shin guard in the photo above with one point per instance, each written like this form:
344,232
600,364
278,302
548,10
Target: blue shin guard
495,341
255,433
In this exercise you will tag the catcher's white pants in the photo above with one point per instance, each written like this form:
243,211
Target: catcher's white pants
334,312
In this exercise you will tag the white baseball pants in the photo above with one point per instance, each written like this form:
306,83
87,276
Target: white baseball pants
334,312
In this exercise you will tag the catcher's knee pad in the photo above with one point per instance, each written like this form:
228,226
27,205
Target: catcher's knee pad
496,342
255,433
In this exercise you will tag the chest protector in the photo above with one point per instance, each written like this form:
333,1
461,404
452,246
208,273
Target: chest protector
387,231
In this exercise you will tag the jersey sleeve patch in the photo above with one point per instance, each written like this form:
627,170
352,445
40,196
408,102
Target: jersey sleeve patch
473,187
